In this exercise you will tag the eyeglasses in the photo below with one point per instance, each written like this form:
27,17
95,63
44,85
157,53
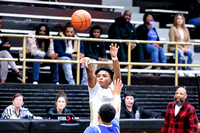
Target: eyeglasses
17,99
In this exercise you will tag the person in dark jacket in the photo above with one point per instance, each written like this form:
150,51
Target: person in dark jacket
129,108
61,103
95,50
148,32
123,29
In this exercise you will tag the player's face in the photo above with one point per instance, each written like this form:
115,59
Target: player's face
69,32
104,79
42,31
129,101
61,103
96,33
180,96
179,20
127,16
18,102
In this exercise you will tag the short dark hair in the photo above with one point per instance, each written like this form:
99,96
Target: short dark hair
96,27
105,68
129,94
107,113
18,95
145,16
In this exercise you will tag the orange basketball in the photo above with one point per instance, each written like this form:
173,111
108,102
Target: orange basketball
81,19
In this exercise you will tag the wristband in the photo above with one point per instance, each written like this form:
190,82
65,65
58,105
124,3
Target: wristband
114,58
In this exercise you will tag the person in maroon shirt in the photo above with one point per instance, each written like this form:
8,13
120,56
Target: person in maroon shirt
180,117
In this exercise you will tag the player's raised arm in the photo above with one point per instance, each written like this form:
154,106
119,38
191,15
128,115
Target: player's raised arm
91,76
116,67
116,91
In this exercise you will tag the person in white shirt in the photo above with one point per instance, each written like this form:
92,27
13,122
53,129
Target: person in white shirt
108,115
99,83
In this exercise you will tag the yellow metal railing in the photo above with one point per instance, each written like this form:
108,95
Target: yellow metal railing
129,63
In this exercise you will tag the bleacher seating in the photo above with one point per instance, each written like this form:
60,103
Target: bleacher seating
40,97
83,1
59,4
167,4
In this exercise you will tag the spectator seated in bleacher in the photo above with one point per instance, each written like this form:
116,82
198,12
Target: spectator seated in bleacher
96,50
42,49
4,53
147,31
179,33
16,111
67,50
194,13
123,29
129,108
61,103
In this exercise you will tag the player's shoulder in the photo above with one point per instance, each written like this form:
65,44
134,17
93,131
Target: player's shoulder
92,129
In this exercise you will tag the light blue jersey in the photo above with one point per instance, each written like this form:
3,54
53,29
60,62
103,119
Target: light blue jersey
113,128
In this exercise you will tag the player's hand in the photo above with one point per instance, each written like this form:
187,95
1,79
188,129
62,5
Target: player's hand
85,62
114,50
117,87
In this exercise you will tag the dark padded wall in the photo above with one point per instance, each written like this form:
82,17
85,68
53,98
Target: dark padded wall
40,97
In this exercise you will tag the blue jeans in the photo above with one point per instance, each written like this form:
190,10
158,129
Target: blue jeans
36,69
189,53
157,53
195,21
67,68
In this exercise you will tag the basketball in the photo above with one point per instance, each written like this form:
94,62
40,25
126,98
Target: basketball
81,20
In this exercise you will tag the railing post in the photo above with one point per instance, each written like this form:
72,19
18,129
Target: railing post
78,64
176,67
129,66
24,62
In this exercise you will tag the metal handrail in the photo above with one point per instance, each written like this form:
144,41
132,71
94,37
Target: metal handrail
129,63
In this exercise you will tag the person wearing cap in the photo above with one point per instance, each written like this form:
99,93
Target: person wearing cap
4,53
